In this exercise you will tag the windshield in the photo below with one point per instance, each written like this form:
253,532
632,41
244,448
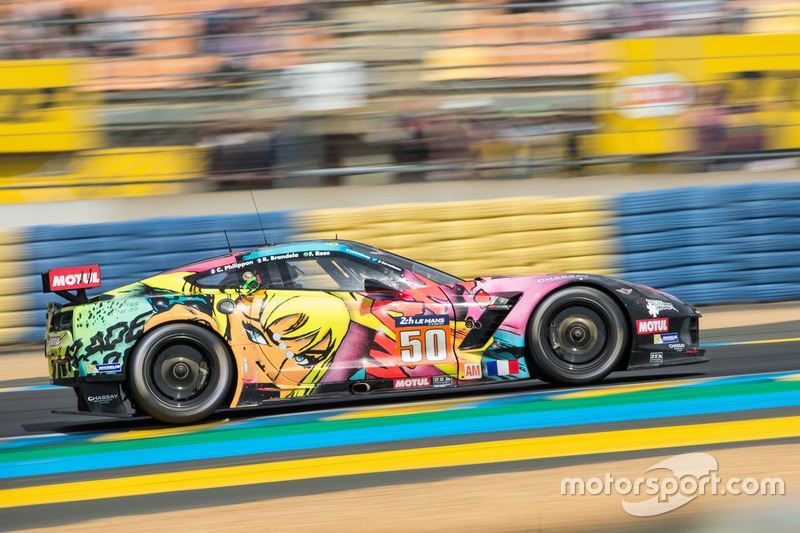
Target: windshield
436,276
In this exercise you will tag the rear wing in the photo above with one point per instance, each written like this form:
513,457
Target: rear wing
78,279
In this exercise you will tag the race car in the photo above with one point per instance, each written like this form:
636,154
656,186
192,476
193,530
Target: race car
328,319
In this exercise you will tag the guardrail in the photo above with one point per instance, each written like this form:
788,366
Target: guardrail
151,178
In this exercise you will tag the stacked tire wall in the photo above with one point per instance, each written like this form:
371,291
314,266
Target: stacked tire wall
17,286
125,251
738,243
706,245
473,238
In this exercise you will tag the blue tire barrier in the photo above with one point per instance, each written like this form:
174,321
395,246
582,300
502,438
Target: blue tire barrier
738,243
708,245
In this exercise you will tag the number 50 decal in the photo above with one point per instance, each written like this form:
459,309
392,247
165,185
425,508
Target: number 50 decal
422,339
424,345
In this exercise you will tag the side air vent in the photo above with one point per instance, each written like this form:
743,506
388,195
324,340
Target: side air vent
694,330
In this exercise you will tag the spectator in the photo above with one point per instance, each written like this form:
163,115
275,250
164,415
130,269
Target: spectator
448,142
117,35
708,120
410,147
289,149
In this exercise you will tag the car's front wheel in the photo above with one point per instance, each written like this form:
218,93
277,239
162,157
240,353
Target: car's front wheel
577,336
179,373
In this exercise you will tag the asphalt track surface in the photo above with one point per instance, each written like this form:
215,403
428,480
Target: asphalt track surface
48,460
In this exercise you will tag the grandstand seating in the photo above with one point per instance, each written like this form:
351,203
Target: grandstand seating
170,53
497,44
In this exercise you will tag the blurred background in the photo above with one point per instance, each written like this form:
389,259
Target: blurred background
120,99
253,90
657,141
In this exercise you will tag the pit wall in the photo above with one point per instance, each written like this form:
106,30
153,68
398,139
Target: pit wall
707,245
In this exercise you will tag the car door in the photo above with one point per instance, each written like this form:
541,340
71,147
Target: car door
330,318
292,332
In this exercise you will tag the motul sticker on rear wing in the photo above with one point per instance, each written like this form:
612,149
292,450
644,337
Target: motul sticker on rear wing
68,279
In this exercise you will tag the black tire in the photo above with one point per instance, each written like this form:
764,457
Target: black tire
577,336
179,373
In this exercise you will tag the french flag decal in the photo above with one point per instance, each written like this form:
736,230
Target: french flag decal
503,367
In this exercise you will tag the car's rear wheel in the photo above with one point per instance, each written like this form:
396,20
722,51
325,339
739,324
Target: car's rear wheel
577,336
179,373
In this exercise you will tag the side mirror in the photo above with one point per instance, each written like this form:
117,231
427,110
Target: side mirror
373,285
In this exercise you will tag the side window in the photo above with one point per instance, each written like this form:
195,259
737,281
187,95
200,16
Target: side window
269,275
357,270
219,280
251,276
307,274
216,280
336,272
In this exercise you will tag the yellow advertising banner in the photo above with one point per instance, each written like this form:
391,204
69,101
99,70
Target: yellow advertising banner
42,109
737,93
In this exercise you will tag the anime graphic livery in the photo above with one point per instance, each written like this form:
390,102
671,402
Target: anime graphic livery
339,318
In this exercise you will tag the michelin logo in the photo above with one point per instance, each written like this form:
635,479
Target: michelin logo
665,338
105,368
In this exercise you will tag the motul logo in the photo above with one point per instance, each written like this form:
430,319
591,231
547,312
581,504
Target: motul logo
70,280
409,383
655,325
64,279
